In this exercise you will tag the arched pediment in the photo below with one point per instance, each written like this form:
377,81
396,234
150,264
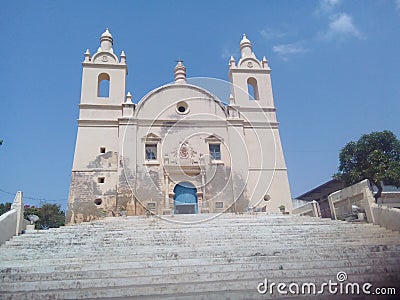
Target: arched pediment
105,57
163,102
249,63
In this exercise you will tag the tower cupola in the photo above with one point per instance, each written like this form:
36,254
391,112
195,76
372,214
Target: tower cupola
245,47
106,41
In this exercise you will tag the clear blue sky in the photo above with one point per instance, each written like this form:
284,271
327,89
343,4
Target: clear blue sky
335,72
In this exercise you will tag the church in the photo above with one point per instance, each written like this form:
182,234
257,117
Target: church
180,149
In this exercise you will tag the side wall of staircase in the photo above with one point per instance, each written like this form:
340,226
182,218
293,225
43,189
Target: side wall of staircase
12,222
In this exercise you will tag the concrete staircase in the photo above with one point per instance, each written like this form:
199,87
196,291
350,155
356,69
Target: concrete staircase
192,258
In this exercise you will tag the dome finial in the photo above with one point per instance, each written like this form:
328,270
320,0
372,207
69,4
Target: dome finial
128,98
180,72
87,55
123,56
106,41
245,46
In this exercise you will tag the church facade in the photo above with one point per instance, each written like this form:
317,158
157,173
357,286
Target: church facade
180,149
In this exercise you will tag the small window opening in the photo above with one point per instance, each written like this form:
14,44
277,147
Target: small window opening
151,151
102,149
219,204
98,201
252,89
151,205
215,151
100,180
103,89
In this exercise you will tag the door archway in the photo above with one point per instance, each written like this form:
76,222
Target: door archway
185,199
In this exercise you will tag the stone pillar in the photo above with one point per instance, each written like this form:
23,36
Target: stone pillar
204,204
315,208
166,196
18,206
332,207
167,209
199,195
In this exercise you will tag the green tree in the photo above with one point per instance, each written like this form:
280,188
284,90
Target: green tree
375,156
50,215
30,210
4,207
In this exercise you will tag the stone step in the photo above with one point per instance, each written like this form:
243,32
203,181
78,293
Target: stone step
204,251
174,257
232,226
216,275
180,235
242,286
189,234
244,228
201,251
187,239
245,294
216,249
220,221
265,220
75,263
139,268
82,245
180,259
212,231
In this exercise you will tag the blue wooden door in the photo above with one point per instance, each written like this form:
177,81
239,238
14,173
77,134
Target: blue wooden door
185,199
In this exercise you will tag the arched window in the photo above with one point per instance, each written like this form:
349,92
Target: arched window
103,85
252,88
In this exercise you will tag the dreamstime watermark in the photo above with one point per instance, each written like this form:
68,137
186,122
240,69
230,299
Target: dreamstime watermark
331,287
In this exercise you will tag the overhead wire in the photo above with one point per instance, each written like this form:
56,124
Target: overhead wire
41,200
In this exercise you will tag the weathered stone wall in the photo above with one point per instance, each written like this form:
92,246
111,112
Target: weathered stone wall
126,186
149,187
85,192
93,190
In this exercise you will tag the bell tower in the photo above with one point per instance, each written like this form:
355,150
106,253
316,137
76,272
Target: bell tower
250,78
104,76
94,172
251,96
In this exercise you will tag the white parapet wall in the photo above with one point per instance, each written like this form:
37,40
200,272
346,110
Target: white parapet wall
361,195
309,209
386,217
12,222
390,199
8,223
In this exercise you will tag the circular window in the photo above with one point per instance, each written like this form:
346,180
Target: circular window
182,108
98,201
